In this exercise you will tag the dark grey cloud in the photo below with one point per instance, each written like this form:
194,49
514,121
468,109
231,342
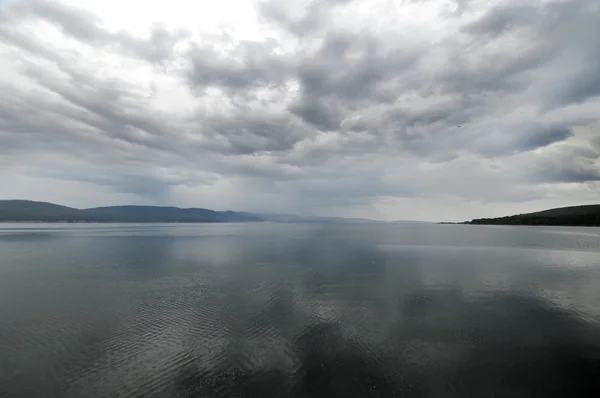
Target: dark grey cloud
572,164
249,65
90,107
566,40
541,137
246,131
343,73
331,106
574,30
351,70
321,114
504,18
348,64
577,86
527,137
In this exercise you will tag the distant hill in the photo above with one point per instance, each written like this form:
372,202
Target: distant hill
588,216
164,214
26,210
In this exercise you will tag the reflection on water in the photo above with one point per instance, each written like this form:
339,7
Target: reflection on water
277,310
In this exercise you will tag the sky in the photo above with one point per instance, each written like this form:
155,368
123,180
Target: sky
439,110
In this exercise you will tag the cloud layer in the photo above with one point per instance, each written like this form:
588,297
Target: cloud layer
429,109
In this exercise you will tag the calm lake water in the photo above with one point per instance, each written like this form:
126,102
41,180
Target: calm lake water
299,310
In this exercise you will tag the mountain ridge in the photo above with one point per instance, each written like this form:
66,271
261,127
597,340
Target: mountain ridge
18,210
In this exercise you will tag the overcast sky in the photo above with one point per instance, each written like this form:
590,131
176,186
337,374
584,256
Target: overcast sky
387,109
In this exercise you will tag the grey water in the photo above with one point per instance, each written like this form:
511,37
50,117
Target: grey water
298,310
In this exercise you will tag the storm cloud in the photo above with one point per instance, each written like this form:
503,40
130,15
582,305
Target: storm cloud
394,110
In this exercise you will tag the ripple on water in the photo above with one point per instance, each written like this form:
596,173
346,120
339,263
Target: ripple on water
94,314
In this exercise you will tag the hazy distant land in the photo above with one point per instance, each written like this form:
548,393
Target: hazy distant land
32,211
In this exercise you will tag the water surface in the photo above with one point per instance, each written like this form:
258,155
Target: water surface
298,310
